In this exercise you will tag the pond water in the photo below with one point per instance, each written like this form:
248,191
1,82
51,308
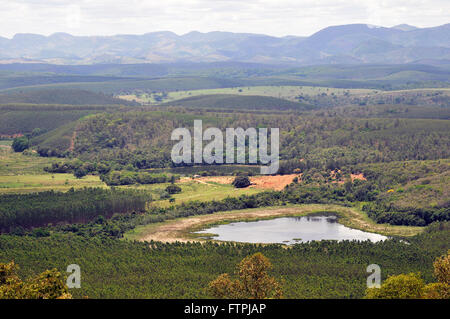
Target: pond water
289,230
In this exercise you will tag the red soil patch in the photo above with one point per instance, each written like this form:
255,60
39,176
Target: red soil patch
358,176
277,182
72,141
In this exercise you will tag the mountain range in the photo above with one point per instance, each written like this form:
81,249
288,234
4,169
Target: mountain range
345,44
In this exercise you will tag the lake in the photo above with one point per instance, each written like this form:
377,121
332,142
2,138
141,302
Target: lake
289,230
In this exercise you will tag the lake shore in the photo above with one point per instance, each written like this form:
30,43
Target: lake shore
181,229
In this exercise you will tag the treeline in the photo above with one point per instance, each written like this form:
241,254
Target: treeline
115,178
383,213
75,206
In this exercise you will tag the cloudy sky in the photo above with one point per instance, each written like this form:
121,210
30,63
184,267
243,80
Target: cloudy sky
273,17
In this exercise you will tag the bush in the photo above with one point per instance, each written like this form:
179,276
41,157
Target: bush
79,173
173,189
241,182
20,144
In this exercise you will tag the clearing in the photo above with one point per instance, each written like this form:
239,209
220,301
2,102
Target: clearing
287,92
275,182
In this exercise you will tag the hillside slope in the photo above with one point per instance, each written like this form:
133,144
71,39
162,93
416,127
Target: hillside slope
239,102
61,96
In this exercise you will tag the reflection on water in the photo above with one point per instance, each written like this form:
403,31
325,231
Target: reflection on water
289,230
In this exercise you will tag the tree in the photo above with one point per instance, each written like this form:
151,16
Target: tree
403,286
173,189
442,268
20,144
411,286
253,283
241,182
440,289
47,285
80,172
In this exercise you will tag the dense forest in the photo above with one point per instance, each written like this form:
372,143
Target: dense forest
143,139
229,101
61,96
40,209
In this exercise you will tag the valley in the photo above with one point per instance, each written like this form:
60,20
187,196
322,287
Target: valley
87,176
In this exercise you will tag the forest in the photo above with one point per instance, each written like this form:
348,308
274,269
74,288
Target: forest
40,209
325,269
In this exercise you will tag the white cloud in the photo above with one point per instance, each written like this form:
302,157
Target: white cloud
274,17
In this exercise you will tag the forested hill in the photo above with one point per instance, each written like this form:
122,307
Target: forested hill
61,96
142,139
239,102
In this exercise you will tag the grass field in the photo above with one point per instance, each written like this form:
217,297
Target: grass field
21,173
6,143
12,163
29,183
191,191
284,92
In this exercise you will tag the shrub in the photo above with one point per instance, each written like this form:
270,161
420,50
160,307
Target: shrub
80,172
173,189
241,182
20,144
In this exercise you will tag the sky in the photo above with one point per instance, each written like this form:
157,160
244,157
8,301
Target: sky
272,17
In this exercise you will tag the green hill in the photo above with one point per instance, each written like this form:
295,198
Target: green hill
142,139
239,102
24,118
61,96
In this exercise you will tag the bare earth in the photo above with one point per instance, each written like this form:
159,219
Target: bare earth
277,182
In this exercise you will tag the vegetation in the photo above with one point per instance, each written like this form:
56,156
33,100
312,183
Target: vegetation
173,189
253,283
47,285
20,144
114,178
61,96
39,209
325,269
84,176
141,139
24,118
412,286
245,102
241,182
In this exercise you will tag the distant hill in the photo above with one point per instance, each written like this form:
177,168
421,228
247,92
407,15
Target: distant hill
61,96
404,27
24,118
144,78
238,102
350,44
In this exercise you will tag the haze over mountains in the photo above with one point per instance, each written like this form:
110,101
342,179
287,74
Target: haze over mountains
345,44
